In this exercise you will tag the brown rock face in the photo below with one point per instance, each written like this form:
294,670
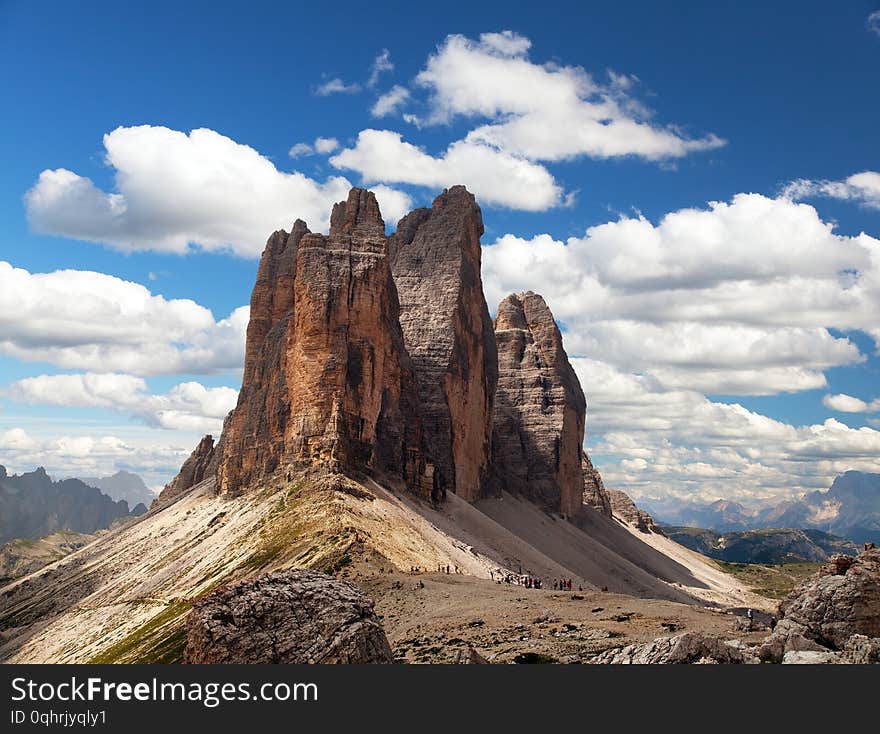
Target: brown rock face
595,494
449,336
288,617
626,509
539,408
327,378
200,465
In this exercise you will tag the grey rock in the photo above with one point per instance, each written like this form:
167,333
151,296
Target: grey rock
691,647
287,617
435,256
842,600
626,509
469,656
810,657
540,408
595,494
862,650
200,465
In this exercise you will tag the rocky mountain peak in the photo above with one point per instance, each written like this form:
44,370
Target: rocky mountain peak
449,336
540,409
358,216
327,378
366,352
201,464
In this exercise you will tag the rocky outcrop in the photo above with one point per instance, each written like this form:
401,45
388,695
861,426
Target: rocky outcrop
595,494
469,656
327,378
691,647
826,611
201,464
842,600
626,509
449,336
288,617
539,408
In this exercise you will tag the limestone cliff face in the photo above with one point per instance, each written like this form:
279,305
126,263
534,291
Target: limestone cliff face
327,378
449,336
539,408
595,494
201,464
626,509
252,443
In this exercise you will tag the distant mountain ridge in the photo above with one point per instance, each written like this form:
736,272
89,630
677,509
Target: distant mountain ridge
33,506
771,546
850,508
123,485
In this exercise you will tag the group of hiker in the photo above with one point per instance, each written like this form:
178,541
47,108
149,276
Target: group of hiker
441,568
524,580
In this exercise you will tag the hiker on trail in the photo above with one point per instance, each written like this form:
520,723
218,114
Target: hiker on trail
751,615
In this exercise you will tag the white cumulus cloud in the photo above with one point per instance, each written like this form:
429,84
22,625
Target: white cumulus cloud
736,298
175,190
390,102
542,111
336,86
79,319
187,406
659,442
863,188
381,64
85,454
493,176
843,403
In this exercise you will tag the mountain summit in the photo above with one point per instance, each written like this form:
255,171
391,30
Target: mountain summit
376,354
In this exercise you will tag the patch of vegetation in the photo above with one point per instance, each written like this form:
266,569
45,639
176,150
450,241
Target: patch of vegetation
299,531
161,639
774,582
526,658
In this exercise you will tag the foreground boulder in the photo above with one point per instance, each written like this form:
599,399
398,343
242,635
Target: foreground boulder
691,647
435,256
825,612
288,617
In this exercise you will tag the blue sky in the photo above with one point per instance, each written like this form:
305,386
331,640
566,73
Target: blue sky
756,97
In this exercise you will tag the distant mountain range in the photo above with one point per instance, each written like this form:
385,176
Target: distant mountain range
33,506
763,546
25,555
123,485
850,508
